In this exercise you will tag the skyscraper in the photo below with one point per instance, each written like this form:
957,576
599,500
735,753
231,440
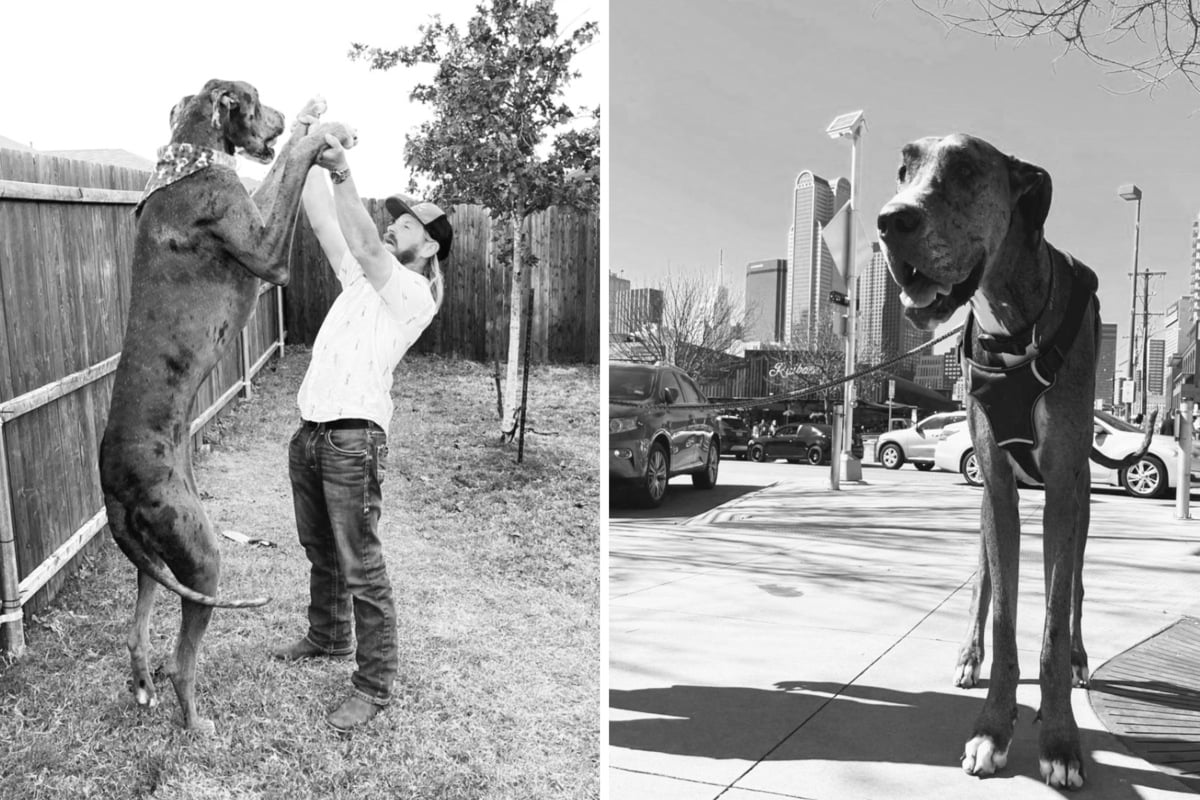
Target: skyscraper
883,332
1106,365
810,264
766,289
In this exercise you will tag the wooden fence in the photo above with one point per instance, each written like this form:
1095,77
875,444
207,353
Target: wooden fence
66,245
473,322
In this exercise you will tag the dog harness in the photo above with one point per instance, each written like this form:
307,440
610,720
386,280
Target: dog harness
1008,395
178,160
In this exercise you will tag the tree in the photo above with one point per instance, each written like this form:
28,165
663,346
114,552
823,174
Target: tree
691,323
496,98
820,361
1149,39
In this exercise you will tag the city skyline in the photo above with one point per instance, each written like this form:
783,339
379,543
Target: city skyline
703,160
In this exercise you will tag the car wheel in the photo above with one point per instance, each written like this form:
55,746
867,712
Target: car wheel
924,466
654,483
708,478
757,453
891,456
969,466
1146,478
815,455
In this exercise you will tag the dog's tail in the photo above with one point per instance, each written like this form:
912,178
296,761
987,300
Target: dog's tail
133,549
1132,458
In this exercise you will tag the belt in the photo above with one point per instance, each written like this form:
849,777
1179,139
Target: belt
342,424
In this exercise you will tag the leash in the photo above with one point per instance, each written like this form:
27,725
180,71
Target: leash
808,390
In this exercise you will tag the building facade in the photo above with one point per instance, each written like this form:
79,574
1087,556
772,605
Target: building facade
810,265
618,299
766,291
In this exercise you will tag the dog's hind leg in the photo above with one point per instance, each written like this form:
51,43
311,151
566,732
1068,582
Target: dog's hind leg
1079,659
970,655
139,643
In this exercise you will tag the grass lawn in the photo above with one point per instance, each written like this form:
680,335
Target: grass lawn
496,571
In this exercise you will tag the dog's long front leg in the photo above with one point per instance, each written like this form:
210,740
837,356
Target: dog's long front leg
1059,755
987,749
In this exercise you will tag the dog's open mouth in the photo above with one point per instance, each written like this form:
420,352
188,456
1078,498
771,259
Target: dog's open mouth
927,300
264,154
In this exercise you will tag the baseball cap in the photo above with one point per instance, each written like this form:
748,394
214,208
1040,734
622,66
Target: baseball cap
429,215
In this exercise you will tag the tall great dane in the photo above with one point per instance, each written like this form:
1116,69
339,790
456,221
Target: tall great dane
966,227
202,247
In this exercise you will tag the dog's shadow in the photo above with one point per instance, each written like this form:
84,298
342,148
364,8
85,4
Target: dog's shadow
811,720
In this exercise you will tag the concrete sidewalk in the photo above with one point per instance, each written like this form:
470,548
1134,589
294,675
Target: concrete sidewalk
799,642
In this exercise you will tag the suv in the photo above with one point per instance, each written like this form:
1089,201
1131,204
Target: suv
735,436
915,444
660,425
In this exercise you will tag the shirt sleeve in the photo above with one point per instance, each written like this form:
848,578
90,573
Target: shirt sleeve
408,298
348,270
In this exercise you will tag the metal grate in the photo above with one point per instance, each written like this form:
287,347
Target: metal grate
1149,696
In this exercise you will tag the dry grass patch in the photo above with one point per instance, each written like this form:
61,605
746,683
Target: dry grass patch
496,572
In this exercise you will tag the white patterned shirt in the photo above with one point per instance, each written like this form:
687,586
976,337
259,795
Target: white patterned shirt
363,338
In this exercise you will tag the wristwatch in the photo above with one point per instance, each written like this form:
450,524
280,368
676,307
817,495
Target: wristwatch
339,175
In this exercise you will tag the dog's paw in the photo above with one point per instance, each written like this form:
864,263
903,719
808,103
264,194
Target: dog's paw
982,757
1061,774
314,107
966,675
345,134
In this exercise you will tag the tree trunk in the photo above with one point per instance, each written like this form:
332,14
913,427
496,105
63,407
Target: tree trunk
508,421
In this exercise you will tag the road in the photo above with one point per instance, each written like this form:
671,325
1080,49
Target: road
737,478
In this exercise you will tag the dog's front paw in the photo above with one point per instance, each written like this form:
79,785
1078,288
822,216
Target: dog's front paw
345,134
1059,756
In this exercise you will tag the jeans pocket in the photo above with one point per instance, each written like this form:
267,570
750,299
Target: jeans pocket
381,457
348,442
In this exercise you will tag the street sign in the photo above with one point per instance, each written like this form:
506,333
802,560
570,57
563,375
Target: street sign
891,390
839,298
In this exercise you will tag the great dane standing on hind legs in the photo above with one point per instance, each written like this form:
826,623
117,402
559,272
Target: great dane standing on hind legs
203,245
966,226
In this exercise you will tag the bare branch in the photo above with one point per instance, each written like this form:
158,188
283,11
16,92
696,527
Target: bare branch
1150,40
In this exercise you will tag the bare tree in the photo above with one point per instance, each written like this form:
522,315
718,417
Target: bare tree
694,327
820,361
1151,40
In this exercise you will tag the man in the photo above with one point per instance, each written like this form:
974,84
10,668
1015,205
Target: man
391,290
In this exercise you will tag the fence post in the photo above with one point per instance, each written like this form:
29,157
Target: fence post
12,630
246,391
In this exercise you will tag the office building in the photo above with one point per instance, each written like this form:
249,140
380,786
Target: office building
1106,366
618,291
810,264
882,329
766,289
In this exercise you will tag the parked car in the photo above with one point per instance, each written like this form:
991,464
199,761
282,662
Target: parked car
735,435
915,444
659,426
802,441
1152,476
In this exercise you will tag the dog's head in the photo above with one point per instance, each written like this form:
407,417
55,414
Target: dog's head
230,113
959,202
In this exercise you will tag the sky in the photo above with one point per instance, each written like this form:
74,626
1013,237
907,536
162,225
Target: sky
81,74
717,105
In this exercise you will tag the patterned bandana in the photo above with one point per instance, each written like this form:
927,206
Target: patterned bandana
176,161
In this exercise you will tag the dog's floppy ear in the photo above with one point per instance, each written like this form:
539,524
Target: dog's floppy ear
224,99
1031,186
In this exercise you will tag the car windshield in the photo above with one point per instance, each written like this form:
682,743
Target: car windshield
630,383
1117,423
733,422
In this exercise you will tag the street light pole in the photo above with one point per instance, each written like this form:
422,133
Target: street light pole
851,125
1130,191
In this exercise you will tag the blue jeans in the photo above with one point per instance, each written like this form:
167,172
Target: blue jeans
336,475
